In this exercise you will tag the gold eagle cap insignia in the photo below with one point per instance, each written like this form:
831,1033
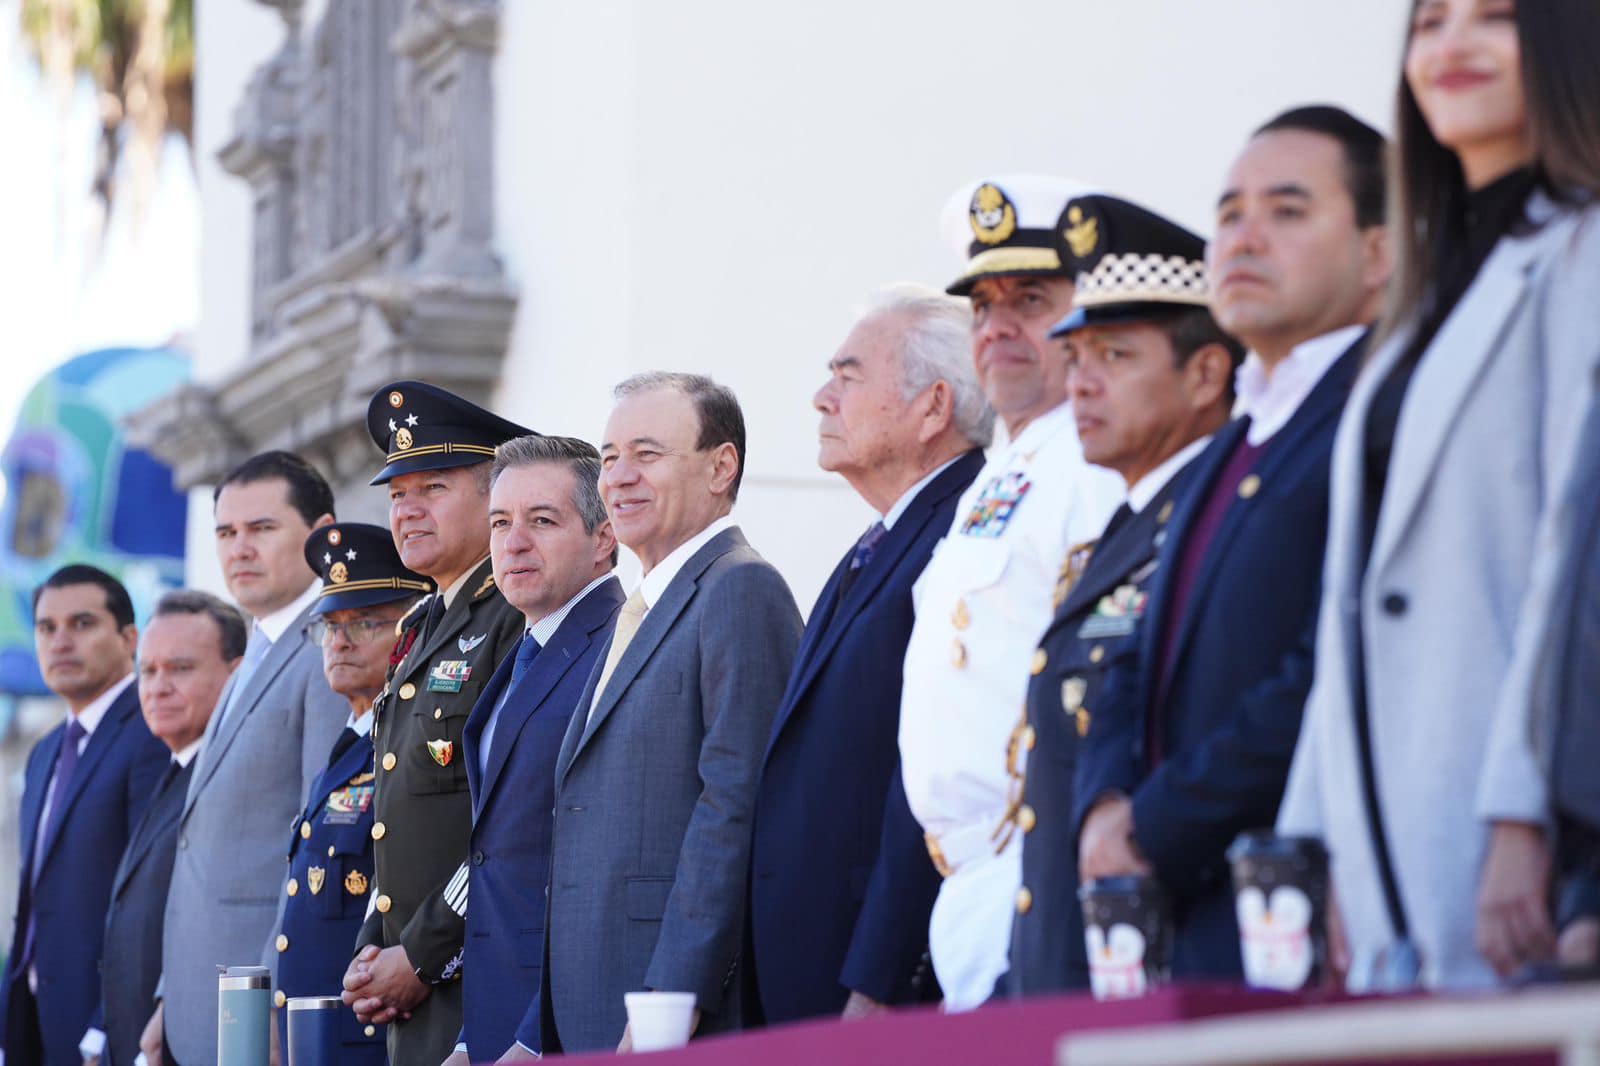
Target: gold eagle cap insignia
1082,233
993,216
339,573
315,877
402,438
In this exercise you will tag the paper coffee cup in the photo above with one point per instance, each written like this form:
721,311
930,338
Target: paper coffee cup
659,1020
1280,888
1127,934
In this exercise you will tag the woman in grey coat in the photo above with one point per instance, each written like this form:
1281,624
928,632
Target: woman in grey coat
1414,763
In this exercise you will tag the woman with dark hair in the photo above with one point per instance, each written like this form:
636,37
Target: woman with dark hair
1414,762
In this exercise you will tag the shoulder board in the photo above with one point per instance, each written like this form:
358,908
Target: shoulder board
485,588
417,612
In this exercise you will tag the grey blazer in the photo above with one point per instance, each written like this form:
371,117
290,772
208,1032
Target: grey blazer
1445,604
654,794
248,785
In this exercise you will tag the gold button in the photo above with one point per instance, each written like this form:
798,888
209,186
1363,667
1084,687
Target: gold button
293,887
1097,653
1083,722
371,1030
1249,487
1030,737
1024,900
1165,513
378,830
1026,819
305,830
279,999
383,903
1040,658
283,942
389,761
958,654
331,851
961,618
438,713
407,690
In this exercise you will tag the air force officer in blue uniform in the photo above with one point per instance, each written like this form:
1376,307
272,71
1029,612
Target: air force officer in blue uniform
365,592
553,553
842,885
85,788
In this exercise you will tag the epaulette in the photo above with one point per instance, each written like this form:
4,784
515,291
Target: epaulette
417,612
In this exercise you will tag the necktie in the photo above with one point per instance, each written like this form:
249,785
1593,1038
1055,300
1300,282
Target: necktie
174,768
628,620
346,741
254,652
861,556
66,767
527,651
431,622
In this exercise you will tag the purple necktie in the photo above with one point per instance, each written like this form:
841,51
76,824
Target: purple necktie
66,767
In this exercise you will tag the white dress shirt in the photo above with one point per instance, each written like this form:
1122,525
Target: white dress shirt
656,581
892,515
1271,399
275,624
1147,488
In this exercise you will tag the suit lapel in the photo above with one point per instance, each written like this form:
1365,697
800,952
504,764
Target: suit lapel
449,622
1324,402
472,732
102,740
566,647
33,797
656,625
219,738
160,814
1466,340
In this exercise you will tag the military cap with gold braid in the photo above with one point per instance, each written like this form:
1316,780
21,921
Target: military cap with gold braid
1008,226
359,567
423,427
1128,262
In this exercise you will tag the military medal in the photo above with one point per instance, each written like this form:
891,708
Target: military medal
442,751
448,675
315,877
355,883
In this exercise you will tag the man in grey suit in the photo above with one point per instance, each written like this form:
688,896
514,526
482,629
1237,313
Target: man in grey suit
186,655
269,737
656,778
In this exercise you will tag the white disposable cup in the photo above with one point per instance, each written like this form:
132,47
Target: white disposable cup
659,1020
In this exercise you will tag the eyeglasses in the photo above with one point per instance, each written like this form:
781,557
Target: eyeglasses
358,632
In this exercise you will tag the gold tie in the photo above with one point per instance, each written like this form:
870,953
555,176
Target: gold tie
633,613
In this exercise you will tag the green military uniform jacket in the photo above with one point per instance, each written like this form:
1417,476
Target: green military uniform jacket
423,810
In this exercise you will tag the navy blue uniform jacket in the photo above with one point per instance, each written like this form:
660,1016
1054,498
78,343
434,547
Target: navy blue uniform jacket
1240,673
841,884
329,889
100,806
510,853
1100,617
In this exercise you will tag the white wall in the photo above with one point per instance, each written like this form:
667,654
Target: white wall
714,185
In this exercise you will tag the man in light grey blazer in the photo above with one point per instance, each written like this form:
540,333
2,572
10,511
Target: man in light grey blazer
270,735
655,782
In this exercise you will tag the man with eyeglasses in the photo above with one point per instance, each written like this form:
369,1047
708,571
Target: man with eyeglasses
366,590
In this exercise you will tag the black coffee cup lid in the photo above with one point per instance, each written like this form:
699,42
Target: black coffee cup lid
1128,885
1265,844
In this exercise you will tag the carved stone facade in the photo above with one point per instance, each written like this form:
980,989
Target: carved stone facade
367,144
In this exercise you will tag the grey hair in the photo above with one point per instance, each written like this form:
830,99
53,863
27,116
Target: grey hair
721,418
231,629
936,345
577,455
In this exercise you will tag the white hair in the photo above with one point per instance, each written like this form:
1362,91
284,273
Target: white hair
936,345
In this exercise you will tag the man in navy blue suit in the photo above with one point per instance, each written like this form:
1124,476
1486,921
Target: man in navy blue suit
553,553
841,884
85,788
1194,733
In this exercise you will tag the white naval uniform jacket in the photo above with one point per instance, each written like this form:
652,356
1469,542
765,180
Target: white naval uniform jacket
981,604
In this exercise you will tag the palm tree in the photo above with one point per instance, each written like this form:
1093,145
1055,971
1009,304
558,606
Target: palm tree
140,56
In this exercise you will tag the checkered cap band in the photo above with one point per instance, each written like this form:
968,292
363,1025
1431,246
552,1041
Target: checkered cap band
1155,278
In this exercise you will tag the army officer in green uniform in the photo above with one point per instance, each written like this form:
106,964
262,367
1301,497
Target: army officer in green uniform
407,966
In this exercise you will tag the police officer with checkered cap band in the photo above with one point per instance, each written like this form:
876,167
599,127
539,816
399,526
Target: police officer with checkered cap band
1152,379
986,593
437,449
365,591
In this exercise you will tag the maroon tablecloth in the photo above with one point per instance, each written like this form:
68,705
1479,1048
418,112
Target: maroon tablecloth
1022,1034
